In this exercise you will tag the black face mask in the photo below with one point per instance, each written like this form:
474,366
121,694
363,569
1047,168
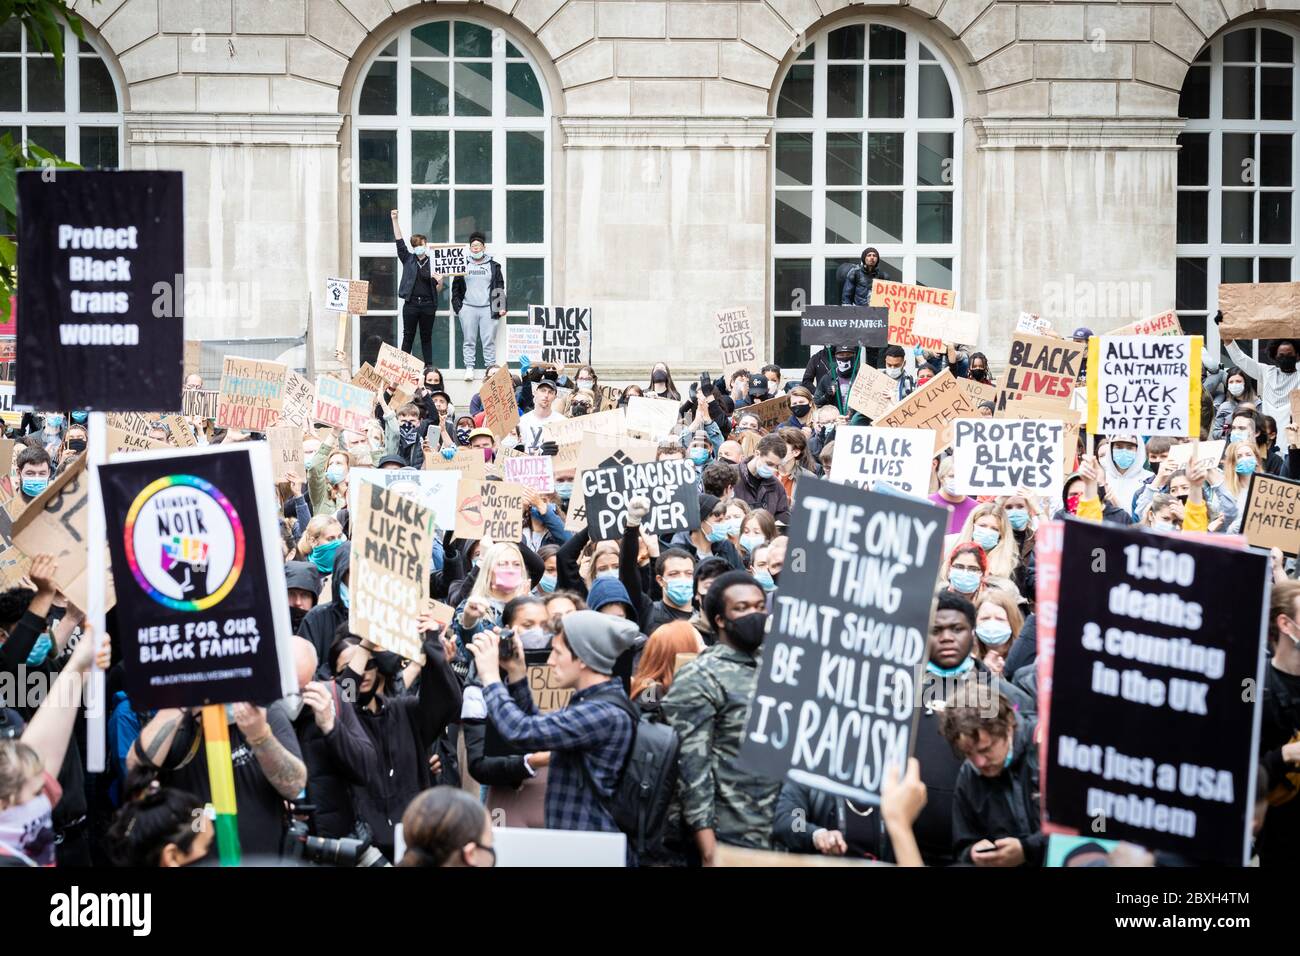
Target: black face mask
748,630
979,374
296,614
799,411
1286,363
77,444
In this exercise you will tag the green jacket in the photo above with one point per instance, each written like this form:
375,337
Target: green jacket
707,706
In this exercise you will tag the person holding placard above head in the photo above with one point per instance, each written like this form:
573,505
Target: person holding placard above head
478,298
1072,494
418,289
955,357
1195,516
327,476
1276,382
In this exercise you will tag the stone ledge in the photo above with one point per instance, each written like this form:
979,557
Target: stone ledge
621,132
1039,133
234,129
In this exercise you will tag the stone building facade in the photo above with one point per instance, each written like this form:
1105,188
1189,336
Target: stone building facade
658,161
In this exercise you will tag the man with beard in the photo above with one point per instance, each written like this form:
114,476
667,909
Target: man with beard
707,705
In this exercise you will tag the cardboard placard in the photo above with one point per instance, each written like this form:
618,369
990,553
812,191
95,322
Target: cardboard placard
434,490
1042,366
342,405
770,413
366,377
1163,323
1002,457
447,260
736,341
14,566
8,414
844,325
1271,515
198,402
979,391
120,440
547,695
1034,324
358,296
501,410
286,452
607,397
652,418
935,406
608,489
299,396
837,740
536,472
252,394
524,340
193,352
399,369
873,392
949,326
1209,452
899,456
901,300
1032,408
589,453
1259,310
468,461
389,577
489,509
102,256
1144,385
566,333
54,522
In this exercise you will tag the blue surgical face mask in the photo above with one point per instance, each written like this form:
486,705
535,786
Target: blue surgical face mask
763,471
718,532
607,575
1236,436
34,486
1019,518
334,474
699,455
751,541
80,417
322,555
764,579
1162,525
962,668
986,538
964,580
344,596
680,592
419,250
564,489
1246,466
40,651
448,453
993,632
54,421
547,583
1123,457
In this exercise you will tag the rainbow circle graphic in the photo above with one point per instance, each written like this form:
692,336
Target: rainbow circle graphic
236,528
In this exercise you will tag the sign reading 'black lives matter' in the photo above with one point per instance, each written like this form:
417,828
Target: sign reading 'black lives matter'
101,255
203,616
837,685
566,333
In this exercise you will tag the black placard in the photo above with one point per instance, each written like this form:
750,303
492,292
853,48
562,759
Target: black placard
101,255
197,599
838,681
1152,718
844,325
669,484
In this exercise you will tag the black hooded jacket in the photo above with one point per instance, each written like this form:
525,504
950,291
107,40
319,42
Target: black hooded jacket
336,763
322,621
1003,806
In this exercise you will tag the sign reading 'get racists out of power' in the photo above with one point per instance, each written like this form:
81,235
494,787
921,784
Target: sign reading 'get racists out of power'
101,255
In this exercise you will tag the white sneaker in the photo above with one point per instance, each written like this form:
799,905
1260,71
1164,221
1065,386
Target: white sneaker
469,375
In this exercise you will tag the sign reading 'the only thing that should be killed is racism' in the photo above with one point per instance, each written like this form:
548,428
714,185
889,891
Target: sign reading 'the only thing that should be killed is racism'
1148,385
1144,723
101,255
834,708
202,611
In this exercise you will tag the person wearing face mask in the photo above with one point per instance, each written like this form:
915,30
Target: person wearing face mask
758,485
501,577
1125,469
833,388
1023,514
978,368
675,576
1277,381
1194,516
1240,390
302,579
1279,733
587,380
713,537
1248,427
33,467
74,444
51,435
997,625
478,299
801,409
661,383
965,570
321,623
1240,462
959,506
707,705
896,368
418,289
1073,493
756,529
988,526
327,475
402,435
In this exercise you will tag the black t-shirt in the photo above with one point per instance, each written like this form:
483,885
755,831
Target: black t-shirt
423,279
661,613
259,807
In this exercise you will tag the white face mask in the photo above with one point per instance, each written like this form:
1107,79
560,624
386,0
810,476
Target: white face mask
894,371
1236,388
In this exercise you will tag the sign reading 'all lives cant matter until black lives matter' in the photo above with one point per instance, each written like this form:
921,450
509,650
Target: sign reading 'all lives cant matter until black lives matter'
101,255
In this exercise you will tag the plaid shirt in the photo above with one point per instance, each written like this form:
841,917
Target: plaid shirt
592,730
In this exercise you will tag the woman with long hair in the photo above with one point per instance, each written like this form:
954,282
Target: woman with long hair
998,621
501,577
661,383
654,672
987,525
445,826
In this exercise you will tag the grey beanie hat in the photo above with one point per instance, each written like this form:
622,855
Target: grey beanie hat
598,639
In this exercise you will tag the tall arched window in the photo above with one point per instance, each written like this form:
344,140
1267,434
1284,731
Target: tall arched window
73,112
866,152
451,129
1236,169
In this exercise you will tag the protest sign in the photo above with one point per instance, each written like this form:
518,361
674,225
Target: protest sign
399,369
389,578
366,377
1144,385
198,402
566,333
770,413
286,452
1048,410
119,440
501,411
901,300
947,325
14,566
979,391
433,490
1259,310
348,296
102,256
590,452
489,509
935,405
252,394
1034,324
342,405
447,260
652,418
843,325
1271,514
358,296
536,472
608,489
1165,323
900,456
1208,452
10,415
607,397
547,694
736,342
1145,724
524,340
299,397
468,461
841,664
202,612
1002,457
193,353
873,392
1042,366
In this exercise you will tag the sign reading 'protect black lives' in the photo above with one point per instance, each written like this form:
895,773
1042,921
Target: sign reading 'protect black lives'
102,300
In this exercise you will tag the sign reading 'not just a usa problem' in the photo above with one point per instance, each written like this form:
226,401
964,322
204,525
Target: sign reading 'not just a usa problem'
101,255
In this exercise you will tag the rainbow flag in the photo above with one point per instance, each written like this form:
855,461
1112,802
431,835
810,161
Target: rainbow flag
221,779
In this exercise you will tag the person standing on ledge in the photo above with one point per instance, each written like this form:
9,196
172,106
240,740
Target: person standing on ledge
419,288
